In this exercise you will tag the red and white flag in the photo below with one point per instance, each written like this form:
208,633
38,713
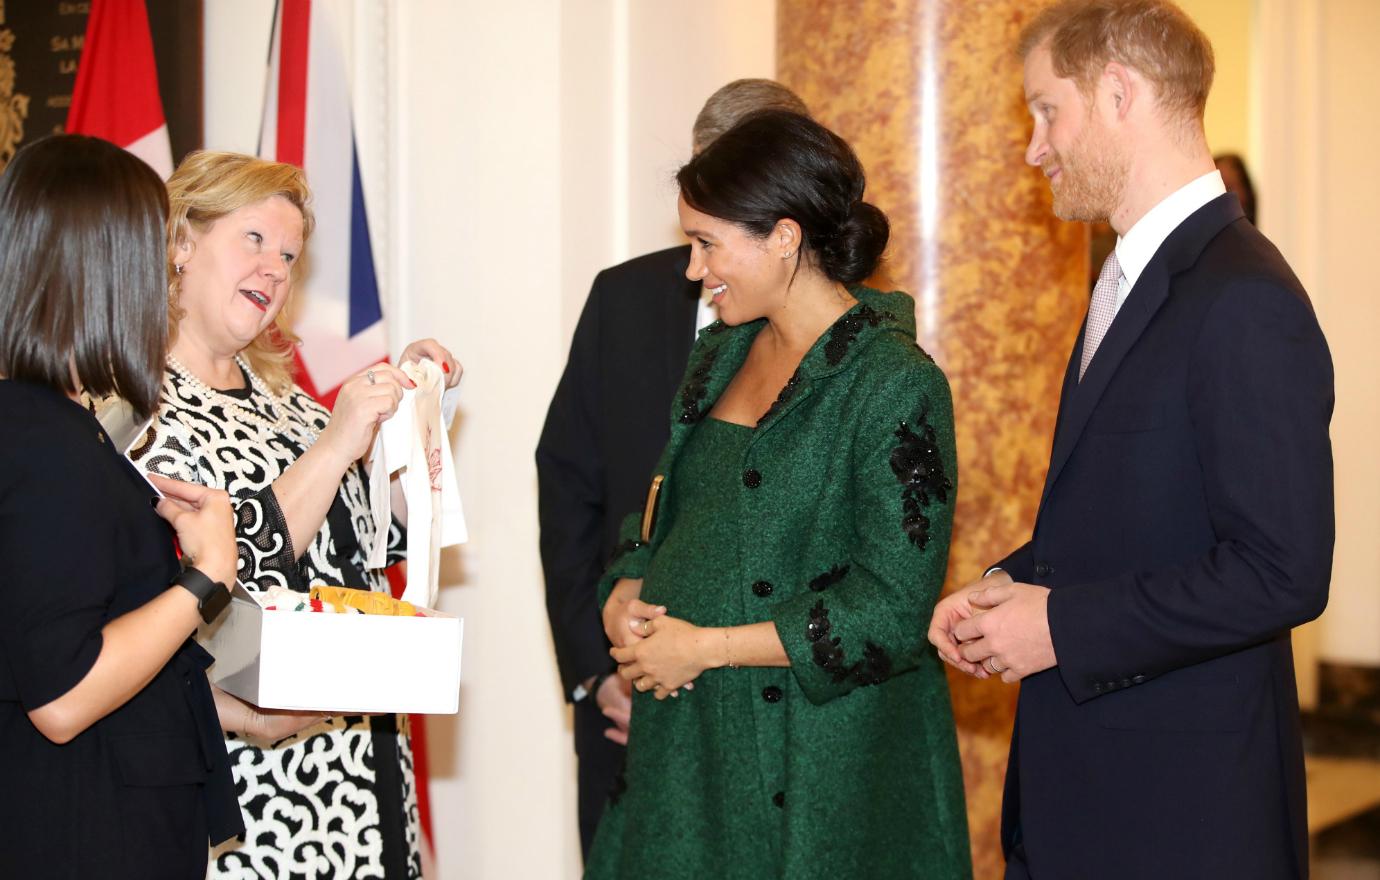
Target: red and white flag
307,121
116,95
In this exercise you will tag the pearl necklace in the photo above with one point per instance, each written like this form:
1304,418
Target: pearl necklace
276,418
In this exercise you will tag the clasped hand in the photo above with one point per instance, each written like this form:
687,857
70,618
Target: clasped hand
666,655
631,626
994,626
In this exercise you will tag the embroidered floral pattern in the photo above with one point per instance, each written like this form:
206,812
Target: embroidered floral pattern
829,578
787,392
694,390
828,654
846,329
874,668
624,549
916,463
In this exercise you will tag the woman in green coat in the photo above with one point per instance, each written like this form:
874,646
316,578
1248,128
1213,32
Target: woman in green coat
770,604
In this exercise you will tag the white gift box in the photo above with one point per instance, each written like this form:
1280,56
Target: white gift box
337,663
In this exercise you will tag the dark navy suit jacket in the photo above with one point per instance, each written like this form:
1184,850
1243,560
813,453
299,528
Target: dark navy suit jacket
606,426
1186,525
608,422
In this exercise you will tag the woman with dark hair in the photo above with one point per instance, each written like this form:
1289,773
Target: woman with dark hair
110,753
794,542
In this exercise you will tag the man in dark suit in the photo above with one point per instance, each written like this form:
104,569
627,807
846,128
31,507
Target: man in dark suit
607,424
1186,523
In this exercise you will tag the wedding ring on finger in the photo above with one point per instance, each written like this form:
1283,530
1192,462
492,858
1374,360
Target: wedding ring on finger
646,627
370,376
991,664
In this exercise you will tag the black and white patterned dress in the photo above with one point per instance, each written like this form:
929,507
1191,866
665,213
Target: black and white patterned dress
338,799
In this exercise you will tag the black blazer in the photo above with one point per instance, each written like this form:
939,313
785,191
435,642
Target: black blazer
1186,525
140,792
607,424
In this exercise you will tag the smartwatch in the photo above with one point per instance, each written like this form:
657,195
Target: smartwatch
211,596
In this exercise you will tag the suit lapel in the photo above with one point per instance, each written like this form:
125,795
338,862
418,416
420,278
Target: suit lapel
678,320
1179,251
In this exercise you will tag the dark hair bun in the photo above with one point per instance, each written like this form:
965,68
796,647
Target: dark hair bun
854,250
775,165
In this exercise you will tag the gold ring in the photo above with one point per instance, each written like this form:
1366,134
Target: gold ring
645,625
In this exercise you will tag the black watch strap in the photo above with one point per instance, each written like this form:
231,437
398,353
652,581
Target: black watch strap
211,596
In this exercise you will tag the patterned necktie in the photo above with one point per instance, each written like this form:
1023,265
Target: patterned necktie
1101,310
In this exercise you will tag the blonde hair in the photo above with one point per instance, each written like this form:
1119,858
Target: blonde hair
207,186
1153,37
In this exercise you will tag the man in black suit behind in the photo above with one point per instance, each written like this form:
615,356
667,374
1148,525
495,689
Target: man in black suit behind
1186,523
607,424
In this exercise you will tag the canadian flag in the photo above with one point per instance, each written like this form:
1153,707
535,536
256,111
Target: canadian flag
116,95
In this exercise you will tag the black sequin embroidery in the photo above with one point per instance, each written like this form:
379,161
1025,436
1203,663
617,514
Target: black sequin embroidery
829,578
874,668
916,463
694,390
624,549
846,329
787,392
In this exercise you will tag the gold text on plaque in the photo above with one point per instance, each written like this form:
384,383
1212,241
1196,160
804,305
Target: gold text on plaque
14,107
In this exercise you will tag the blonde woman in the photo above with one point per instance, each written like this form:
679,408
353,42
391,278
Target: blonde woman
335,798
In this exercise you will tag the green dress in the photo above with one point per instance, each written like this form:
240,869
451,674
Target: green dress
831,518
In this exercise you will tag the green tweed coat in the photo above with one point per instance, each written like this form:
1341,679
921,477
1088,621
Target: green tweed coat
845,764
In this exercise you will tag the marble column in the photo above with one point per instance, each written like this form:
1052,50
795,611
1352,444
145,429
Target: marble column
929,94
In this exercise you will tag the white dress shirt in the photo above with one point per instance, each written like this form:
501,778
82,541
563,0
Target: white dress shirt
1138,245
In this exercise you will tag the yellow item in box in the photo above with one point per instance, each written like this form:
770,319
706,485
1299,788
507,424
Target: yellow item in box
344,598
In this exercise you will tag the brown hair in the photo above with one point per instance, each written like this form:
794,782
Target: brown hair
81,230
206,187
727,106
1153,37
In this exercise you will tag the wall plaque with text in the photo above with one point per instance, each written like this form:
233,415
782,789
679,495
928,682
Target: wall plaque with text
40,46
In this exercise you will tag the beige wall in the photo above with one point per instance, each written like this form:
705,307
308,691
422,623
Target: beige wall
1316,79
1349,307
1229,25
